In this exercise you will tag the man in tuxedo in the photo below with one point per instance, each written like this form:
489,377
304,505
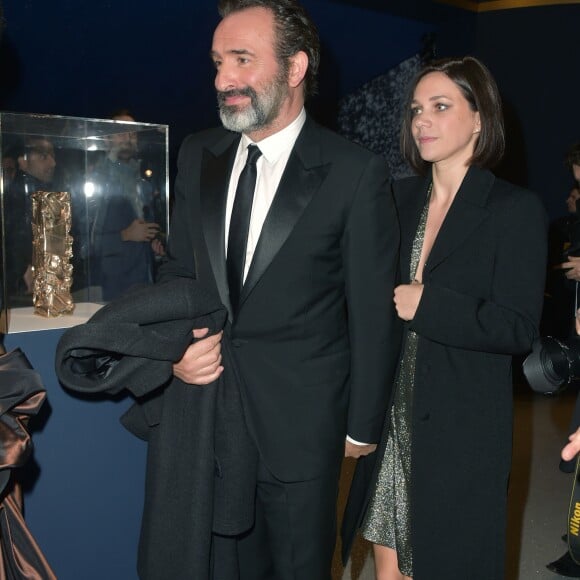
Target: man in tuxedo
308,285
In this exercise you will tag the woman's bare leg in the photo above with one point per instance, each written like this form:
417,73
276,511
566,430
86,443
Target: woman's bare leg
386,564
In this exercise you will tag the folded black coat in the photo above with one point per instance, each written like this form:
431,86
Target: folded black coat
201,464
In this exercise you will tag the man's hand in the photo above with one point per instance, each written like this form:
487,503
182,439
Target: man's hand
406,299
570,450
572,266
157,247
356,451
201,363
139,231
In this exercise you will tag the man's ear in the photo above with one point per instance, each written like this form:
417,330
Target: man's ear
297,69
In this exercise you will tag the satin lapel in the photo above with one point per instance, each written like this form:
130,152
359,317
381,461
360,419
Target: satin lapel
465,214
299,183
214,180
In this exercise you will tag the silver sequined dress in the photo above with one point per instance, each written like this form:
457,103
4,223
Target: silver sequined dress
387,521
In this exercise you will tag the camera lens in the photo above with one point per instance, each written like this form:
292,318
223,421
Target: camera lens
552,364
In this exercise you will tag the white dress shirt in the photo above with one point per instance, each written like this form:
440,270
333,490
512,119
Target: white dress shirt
270,166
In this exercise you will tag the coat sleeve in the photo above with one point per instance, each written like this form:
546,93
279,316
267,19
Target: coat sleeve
506,321
370,249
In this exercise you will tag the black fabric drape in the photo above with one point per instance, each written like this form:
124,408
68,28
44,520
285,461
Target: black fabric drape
22,394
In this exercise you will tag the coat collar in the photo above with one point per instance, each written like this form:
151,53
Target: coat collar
302,177
468,210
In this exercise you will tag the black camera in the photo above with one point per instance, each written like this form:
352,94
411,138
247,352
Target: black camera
553,364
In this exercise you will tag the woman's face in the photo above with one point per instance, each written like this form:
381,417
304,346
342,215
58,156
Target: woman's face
444,126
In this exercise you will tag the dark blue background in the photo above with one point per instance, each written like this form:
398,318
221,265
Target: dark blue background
86,59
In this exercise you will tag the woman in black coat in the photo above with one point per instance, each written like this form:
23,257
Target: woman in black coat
473,261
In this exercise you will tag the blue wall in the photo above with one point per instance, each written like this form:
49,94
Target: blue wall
85,483
534,54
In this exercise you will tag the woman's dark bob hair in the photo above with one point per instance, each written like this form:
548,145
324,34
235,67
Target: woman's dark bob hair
480,89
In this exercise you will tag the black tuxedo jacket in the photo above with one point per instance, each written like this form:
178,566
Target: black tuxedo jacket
316,337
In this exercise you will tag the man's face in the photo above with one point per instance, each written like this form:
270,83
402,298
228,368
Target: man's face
252,87
38,160
572,199
576,173
124,145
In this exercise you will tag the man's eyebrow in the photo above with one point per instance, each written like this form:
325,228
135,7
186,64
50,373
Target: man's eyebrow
237,51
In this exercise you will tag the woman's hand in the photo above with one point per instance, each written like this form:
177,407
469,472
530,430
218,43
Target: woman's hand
407,298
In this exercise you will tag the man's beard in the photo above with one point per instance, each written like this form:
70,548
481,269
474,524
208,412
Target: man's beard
126,152
262,110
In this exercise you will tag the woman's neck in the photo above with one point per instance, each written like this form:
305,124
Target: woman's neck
446,183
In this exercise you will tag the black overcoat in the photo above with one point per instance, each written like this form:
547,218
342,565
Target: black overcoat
481,304
201,464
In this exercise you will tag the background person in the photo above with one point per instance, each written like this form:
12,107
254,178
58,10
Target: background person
572,264
124,231
565,564
564,260
36,161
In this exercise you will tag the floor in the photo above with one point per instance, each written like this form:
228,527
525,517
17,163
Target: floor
538,496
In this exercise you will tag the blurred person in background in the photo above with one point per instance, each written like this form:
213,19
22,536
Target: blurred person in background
125,233
36,162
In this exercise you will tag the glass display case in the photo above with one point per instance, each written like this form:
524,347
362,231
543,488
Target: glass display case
115,175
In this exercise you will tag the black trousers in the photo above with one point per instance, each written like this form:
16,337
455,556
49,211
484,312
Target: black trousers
294,533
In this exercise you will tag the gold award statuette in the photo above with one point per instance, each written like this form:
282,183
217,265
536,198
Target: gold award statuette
51,253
